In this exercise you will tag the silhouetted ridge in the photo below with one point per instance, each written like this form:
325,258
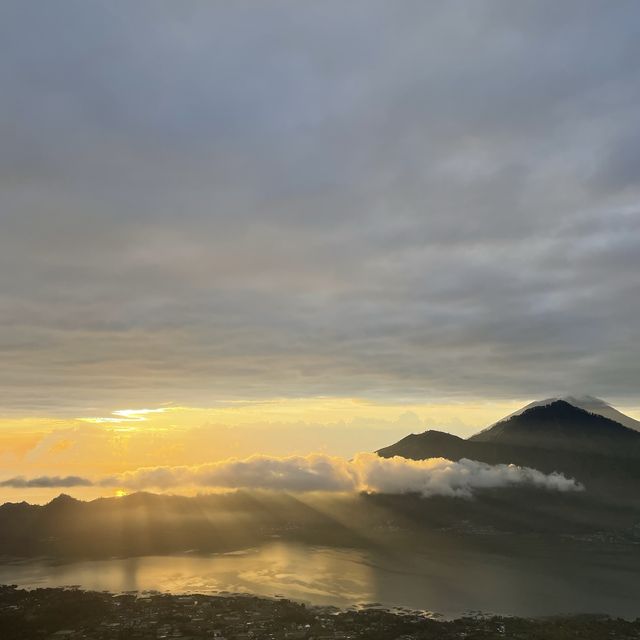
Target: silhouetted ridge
414,445
560,424
63,500
557,436
591,404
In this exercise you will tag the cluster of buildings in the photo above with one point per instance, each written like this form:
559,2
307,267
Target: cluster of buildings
72,614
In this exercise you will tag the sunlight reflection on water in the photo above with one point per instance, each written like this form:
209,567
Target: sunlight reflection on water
304,573
448,580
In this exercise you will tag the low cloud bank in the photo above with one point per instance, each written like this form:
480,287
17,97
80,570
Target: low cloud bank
314,472
50,482
441,477
318,472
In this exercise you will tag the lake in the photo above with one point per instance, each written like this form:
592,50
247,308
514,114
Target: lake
449,579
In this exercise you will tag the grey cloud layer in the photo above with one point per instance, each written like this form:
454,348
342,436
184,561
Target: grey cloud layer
273,198
318,472
48,482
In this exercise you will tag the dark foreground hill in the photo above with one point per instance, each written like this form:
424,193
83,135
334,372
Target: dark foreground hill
40,614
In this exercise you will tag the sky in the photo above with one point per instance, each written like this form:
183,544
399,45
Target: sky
415,213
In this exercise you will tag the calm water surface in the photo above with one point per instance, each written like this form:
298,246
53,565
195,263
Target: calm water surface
449,581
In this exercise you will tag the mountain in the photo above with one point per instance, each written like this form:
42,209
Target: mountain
553,435
152,524
588,403
563,425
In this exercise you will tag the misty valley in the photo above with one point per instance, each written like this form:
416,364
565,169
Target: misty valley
455,537
519,554
519,550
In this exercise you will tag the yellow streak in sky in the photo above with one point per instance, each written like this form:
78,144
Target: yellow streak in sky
124,415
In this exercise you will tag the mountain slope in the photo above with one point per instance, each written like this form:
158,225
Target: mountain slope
602,408
563,425
599,452
588,403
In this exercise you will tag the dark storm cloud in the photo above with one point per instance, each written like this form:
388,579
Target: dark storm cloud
274,198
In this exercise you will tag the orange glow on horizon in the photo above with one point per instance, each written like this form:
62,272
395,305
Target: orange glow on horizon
123,439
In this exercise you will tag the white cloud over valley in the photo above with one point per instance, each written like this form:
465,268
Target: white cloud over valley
366,472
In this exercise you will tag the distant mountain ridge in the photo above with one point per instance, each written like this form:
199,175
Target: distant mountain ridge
152,524
600,453
560,424
551,435
588,403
